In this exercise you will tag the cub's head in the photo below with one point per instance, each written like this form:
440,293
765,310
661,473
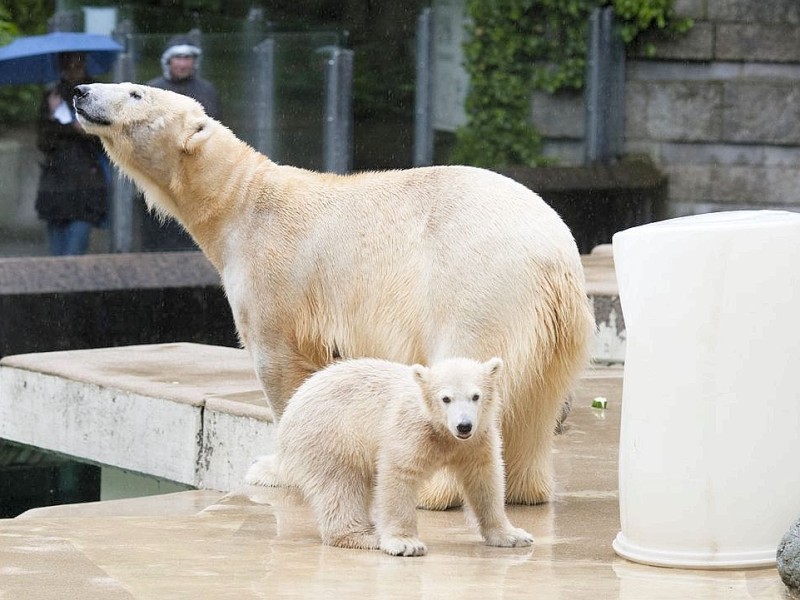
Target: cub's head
148,132
460,394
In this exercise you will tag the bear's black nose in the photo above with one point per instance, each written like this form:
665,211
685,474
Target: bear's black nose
81,91
464,427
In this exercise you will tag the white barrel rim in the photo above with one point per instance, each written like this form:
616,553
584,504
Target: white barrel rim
750,559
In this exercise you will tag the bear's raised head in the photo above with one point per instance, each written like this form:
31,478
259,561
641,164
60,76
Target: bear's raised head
460,394
153,135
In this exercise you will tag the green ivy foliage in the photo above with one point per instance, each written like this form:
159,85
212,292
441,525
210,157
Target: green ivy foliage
20,103
516,46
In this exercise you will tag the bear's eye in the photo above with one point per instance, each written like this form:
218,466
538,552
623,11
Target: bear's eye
136,95
446,399
476,397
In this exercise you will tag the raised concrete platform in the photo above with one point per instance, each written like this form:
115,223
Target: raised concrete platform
601,287
262,543
189,413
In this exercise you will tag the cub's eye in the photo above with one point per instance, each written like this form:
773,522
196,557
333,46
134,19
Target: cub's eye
446,399
136,95
476,397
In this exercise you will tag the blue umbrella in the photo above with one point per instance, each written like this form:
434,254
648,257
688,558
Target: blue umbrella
33,59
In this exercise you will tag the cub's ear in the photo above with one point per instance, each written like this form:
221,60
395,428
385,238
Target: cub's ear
493,366
419,373
198,130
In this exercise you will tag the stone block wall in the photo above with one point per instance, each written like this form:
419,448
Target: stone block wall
716,109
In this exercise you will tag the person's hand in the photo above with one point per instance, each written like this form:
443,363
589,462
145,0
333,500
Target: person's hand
53,100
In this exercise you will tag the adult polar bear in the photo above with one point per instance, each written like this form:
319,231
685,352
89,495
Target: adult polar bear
412,266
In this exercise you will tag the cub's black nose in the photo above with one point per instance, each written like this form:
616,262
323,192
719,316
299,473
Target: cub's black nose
464,427
81,91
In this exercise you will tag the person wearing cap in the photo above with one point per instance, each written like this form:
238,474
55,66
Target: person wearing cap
179,64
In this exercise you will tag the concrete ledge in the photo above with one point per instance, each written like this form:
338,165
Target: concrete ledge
111,300
601,285
596,201
188,413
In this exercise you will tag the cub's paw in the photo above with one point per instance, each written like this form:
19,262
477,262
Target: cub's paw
363,540
403,545
509,538
263,471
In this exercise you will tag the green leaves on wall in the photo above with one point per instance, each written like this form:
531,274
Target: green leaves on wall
517,46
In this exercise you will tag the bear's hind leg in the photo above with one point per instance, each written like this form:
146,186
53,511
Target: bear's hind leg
440,492
529,461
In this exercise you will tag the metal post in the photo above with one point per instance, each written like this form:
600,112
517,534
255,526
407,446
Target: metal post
64,20
123,191
338,118
264,104
423,128
604,93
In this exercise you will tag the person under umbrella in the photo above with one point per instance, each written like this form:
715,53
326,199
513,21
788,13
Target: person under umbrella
73,185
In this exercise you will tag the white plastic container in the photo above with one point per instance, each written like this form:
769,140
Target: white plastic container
710,430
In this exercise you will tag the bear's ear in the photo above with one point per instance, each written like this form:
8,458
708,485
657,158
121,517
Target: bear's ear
198,130
419,373
493,366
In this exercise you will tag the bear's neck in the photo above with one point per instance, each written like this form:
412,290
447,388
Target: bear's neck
215,191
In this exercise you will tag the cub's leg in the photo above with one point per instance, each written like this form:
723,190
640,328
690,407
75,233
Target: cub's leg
482,481
341,507
396,516
264,471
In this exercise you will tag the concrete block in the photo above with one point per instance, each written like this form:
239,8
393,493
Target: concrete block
19,172
100,424
564,152
689,183
693,9
735,184
754,11
644,149
231,440
712,154
777,156
778,42
695,44
9,175
761,111
609,342
558,115
685,111
637,96
661,71
189,413
111,300
783,185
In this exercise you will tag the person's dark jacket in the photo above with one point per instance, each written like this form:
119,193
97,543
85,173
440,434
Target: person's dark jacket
195,87
72,184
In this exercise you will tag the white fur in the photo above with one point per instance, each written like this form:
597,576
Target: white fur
361,436
412,266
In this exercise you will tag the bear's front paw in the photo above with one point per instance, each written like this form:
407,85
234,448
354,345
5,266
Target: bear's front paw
403,546
509,538
263,471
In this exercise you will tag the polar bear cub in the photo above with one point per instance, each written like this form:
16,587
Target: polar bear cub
360,437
